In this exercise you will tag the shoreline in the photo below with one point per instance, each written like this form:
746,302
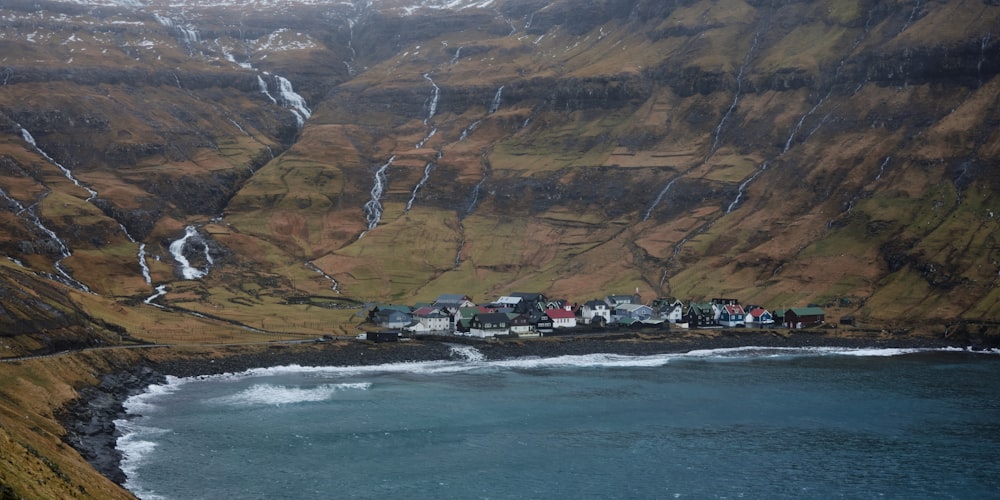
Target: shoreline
90,419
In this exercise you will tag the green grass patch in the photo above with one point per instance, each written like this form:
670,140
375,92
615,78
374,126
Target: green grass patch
731,168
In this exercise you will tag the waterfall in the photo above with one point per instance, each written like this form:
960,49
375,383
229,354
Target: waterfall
177,248
461,246
188,34
293,101
468,130
836,73
426,138
478,188
736,95
270,152
881,168
458,53
144,265
335,287
659,198
743,186
435,95
63,248
239,127
495,105
263,89
64,275
427,175
69,175
350,46
913,15
161,290
93,194
982,55
722,122
373,209
166,21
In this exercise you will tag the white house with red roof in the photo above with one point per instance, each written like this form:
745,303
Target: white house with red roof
430,320
561,318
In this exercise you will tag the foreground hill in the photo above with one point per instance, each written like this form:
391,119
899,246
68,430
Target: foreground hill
265,164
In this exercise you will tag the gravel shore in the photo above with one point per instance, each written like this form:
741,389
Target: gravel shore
89,421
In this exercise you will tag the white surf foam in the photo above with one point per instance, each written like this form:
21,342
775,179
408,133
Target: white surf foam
136,445
770,352
472,360
588,361
278,395
144,403
412,367
467,352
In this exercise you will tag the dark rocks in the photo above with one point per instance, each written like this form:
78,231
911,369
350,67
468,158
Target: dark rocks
89,421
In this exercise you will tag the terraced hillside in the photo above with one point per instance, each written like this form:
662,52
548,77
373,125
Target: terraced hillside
267,164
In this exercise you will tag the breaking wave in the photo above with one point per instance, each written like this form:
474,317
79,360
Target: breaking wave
278,395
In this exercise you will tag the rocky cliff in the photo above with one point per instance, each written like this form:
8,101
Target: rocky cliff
234,157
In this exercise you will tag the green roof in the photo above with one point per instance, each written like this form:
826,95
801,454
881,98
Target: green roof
701,306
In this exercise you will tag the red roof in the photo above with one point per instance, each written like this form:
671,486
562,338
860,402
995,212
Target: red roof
758,312
734,309
559,314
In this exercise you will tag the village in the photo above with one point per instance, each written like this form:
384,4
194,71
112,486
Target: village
534,315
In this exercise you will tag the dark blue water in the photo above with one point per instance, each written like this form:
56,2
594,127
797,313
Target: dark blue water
752,423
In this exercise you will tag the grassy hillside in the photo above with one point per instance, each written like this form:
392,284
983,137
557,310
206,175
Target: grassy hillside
810,152
834,152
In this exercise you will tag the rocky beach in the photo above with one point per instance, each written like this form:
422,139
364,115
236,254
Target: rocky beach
89,420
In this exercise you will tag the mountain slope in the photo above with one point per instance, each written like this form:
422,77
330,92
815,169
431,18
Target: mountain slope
783,153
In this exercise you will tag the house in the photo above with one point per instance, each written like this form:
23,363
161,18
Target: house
542,323
391,316
700,315
671,310
489,325
558,304
531,301
614,300
595,309
462,319
758,317
453,302
561,318
508,302
718,305
520,324
632,312
732,315
804,317
430,320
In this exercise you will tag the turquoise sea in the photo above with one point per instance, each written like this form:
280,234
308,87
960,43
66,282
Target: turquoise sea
733,423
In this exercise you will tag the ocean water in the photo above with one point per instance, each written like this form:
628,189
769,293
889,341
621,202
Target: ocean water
735,423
